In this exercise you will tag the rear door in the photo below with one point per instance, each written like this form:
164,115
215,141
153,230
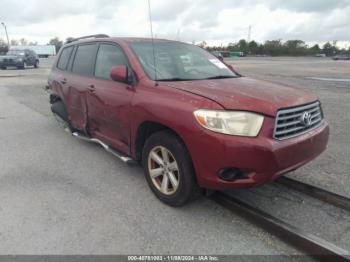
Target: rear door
58,76
78,82
28,57
32,57
109,101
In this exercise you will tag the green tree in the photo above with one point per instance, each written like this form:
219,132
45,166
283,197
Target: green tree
23,41
253,47
277,48
233,47
243,46
295,47
203,44
13,42
3,46
315,49
330,49
56,42
274,47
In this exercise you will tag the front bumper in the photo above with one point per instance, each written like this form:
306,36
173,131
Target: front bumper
262,158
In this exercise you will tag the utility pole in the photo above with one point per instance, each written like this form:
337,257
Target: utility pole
249,32
7,36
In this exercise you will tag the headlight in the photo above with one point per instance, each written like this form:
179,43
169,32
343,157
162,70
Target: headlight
237,123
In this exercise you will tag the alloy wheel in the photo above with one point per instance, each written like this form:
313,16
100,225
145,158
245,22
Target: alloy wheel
163,170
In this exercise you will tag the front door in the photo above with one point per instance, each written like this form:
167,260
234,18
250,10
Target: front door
108,101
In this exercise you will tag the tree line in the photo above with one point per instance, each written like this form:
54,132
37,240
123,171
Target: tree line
270,47
280,48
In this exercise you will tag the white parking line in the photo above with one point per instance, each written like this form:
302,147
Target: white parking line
330,79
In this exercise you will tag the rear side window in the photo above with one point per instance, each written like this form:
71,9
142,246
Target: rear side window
84,60
63,60
108,56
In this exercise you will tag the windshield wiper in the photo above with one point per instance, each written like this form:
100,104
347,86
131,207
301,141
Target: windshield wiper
220,77
175,79
193,79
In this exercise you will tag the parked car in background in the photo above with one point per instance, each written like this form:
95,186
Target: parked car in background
342,57
19,58
190,120
40,50
320,55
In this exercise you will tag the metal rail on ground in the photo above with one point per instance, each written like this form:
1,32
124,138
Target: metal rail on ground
308,243
316,192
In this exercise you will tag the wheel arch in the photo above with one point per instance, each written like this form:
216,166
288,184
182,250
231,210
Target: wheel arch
145,130
54,98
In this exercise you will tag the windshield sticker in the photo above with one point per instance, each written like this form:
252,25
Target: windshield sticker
218,63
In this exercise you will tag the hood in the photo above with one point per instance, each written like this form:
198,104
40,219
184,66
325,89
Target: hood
244,93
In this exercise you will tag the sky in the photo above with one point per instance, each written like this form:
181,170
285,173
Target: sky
217,22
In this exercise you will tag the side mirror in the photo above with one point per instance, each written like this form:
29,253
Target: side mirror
119,73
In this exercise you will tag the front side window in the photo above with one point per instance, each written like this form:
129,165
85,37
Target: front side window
175,61
63,60
84,59
108,56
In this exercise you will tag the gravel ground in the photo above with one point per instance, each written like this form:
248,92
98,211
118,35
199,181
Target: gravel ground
60,195
332,169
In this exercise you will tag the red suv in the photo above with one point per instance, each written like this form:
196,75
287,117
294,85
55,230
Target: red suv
188,118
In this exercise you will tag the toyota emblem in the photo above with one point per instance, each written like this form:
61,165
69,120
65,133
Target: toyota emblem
305,119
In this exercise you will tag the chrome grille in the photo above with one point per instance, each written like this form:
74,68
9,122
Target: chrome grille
295,121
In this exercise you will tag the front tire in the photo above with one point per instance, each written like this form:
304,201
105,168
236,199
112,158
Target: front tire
168,169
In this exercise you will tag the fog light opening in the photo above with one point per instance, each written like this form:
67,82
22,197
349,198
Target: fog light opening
232,173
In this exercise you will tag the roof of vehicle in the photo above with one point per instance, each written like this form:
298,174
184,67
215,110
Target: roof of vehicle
119,39
18,49
143,39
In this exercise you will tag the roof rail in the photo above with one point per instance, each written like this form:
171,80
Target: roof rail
85,37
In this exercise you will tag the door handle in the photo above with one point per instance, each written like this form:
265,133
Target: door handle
91,88
64,81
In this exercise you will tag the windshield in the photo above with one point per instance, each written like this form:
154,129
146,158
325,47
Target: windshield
177,61
15,52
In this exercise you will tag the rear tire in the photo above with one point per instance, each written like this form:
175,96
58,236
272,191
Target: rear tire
3,68
36,64
176,166
61,114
